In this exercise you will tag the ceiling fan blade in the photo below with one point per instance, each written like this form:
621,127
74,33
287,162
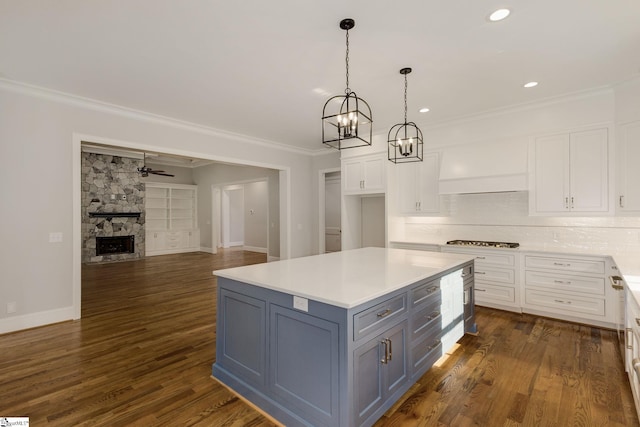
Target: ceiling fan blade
160,173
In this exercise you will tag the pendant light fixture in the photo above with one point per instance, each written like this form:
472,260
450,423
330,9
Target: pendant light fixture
405,139
346,119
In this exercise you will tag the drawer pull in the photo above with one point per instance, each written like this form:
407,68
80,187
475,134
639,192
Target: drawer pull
432,290
562,264
562,282
480,257
433,345
384,313
480,272
615,282
480,290
629,338
433,315
562,302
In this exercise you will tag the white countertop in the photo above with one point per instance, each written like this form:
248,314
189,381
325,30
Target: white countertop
348,278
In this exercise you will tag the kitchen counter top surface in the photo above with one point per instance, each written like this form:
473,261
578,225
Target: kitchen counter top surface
348,278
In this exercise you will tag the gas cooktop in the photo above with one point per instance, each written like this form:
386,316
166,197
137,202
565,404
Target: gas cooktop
483,244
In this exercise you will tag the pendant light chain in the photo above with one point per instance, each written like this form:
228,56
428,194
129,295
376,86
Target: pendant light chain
347,90
405,98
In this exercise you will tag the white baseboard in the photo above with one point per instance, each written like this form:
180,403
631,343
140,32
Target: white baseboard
272,258
254,249
33,320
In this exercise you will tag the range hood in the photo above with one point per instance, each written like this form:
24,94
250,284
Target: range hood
484,168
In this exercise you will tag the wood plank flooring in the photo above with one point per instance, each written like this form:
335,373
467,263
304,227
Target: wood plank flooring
141,356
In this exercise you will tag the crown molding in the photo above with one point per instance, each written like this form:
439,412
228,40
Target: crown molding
105,107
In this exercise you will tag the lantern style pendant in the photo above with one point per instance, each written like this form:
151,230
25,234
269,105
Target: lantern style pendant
346,119
405,139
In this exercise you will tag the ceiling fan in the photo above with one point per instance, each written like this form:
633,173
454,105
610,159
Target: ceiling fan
145,171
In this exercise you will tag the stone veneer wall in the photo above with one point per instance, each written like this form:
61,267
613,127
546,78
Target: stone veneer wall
105,179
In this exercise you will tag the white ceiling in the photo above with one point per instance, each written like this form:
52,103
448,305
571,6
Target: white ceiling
265,68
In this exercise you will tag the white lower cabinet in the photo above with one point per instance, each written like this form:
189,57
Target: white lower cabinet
496,276
632,346
569,288
169,242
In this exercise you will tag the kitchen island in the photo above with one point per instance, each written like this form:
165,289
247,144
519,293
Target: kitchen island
336,339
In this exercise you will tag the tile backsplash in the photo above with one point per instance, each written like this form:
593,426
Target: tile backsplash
505,217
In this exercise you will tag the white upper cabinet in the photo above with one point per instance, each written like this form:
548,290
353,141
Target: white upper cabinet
365,174
629,175
571,173
417,185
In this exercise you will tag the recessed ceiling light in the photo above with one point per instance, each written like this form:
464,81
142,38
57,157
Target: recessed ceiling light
499,15
424,110
531,84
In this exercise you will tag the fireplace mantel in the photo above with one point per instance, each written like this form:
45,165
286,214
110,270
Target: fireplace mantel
114,214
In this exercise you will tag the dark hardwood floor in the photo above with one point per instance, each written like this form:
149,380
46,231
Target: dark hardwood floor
141,356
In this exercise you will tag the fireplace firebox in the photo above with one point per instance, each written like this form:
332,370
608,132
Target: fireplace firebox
115,245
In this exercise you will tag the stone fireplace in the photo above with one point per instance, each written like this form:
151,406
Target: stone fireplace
112,208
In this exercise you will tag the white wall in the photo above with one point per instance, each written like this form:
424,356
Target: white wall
40,135
236,218
256,215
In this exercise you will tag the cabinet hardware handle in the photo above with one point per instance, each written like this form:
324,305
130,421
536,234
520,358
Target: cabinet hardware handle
629,340
636,366
433,345
562,282
622,201
572,203
615,282
562,302
384,359
480,272
637,321
566,203
384,313
390,350
480,257
562,264
432,290
480,290
433,315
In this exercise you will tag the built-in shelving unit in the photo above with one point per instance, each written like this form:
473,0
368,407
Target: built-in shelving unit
171,218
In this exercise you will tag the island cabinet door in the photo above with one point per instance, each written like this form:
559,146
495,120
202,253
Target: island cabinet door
242,336
380,368
304,365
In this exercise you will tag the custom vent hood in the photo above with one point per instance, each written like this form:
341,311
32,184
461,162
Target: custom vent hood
484,168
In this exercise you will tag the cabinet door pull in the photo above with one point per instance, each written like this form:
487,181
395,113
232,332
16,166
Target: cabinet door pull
390,350
480,272
622,201
572,203
562,302
566,203
384,359
562,282
384,313
562,264
629,338
480,290
480,257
